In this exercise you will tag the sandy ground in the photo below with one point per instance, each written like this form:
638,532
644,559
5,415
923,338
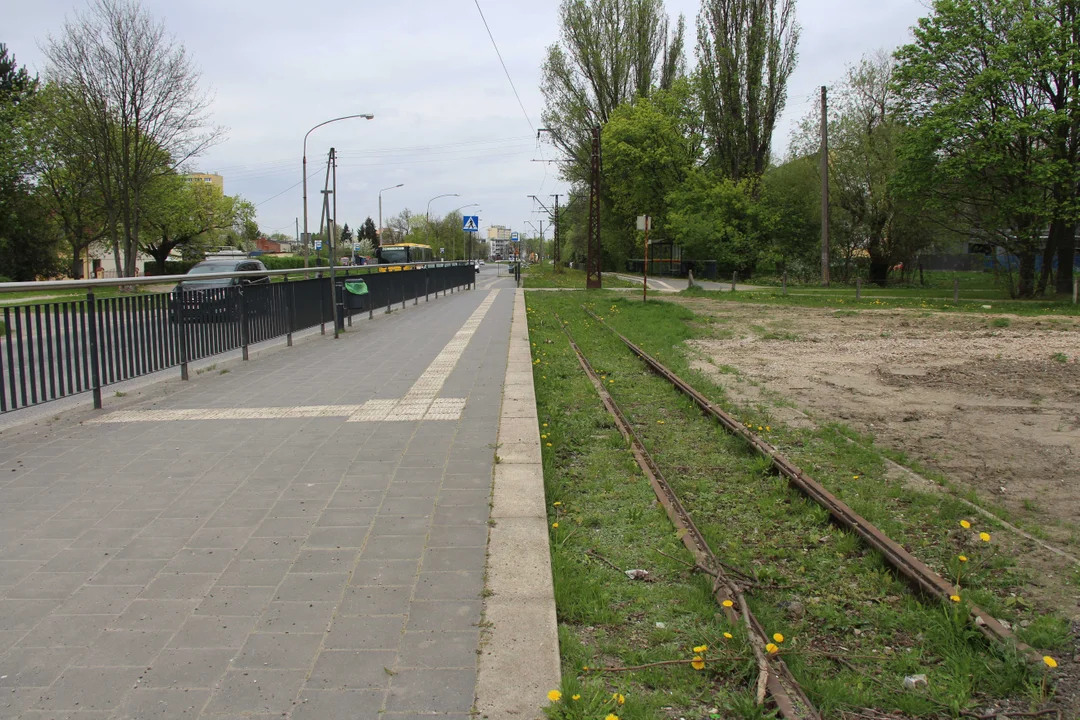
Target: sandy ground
992,408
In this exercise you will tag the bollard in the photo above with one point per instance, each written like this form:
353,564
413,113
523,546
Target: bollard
858,288
956,290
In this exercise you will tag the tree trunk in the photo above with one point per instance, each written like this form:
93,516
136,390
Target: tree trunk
76,263
1056,227
1026,286
1066,257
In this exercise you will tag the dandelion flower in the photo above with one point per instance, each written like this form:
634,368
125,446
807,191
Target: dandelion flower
557,503
659,422
728,635
575,697
759,428
1050,662
728,603
612,716
962,558
854,477
701,648
545,424
618,698
773,649
985,537
549,444
955,598
768,429
697,663
585,668
554,695
965,524
778,637
554,525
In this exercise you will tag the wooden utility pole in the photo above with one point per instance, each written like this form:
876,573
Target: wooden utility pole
592,259
824,188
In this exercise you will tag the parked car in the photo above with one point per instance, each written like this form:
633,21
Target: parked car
216,298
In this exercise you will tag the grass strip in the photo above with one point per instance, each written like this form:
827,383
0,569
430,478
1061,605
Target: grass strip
544,276
833,601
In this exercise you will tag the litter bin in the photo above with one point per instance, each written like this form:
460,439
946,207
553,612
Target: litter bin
356,292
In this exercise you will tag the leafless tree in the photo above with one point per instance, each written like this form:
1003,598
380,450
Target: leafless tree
137,102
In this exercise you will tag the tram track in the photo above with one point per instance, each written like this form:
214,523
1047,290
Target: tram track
920,576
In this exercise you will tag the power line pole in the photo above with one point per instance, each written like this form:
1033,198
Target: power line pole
556,253
824,188
592,259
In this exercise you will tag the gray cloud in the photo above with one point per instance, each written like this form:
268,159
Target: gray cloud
446,118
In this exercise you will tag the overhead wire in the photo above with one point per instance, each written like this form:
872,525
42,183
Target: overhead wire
503,63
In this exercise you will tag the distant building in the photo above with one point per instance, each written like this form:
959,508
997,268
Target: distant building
266,245
212,178
498,241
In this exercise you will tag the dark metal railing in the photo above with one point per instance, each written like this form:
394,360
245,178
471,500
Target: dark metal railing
58,348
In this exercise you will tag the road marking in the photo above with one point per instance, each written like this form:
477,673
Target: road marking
420,403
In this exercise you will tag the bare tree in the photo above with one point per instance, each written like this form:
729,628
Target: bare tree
137,103
746,53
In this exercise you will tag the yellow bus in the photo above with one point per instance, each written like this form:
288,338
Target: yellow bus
402,253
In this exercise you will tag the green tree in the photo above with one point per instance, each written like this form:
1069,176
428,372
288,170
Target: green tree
192,217
346,235
746,52
368,231
992,137
718,219
791,204
609,52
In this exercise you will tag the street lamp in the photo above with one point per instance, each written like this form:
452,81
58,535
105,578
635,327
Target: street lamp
366,116
463,229
427,215
380,208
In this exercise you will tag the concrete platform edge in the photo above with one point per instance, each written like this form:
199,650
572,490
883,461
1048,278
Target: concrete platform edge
519,607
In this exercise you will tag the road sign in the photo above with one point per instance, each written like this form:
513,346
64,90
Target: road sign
514,237
471,223
644,222
318,244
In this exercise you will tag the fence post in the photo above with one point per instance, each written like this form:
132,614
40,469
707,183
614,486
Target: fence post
322,310
858,288
416,292
1076,289
243,324
734,278
348,311
403,293
427,298
785,282
178,303
289,303
388,310
95,365
956,290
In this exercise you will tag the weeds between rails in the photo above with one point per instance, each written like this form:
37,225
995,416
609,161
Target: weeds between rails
859,633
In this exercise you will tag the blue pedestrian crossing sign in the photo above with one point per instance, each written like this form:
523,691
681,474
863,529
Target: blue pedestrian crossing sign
471,223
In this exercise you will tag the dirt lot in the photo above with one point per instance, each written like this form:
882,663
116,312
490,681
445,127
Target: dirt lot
991,402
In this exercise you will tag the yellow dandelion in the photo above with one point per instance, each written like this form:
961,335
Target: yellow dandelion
585,668
854,477
966,524
701,648
575,697
543,437
759,427
698,663
768,429
778,637
773,649
728,603
612,716
659,422
985,537
557,503
962,558
554,695
554,525
549,444
728,635
545,424
955,598
618,698
1050,662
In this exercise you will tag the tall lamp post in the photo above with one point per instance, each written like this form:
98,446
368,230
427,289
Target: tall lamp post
366,116
463,231
427,213
380,208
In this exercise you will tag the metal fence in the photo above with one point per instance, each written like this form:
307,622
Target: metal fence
55,349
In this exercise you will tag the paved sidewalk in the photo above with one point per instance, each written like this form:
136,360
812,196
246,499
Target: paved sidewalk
278,538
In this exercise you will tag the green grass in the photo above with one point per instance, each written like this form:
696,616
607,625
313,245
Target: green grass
544,276
855,606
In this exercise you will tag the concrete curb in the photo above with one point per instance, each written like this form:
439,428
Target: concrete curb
519,658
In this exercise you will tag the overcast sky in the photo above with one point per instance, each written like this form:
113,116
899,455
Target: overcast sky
446,120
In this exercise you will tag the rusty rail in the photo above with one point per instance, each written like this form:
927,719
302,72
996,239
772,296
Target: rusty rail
909,566
790,699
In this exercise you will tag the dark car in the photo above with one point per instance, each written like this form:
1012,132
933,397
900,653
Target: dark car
218,298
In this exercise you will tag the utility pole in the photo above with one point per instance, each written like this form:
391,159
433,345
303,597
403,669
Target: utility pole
297,228
556,253
824,188
592,260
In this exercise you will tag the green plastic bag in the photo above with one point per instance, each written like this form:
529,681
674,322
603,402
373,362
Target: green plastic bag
357,288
